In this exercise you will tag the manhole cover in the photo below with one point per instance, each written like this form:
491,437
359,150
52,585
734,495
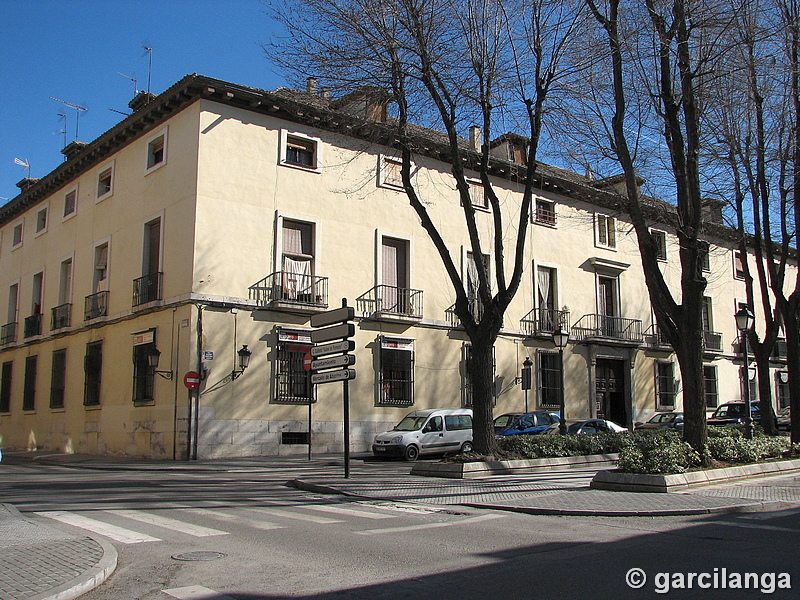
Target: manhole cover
201,555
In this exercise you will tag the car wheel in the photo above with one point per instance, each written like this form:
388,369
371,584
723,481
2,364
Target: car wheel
466,447
411,453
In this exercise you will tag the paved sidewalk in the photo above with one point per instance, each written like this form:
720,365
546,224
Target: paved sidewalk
38,562
41,563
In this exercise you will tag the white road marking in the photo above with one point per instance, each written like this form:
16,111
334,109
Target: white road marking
196,592
118,534
347,511
428,525
265,525
167,523
290,515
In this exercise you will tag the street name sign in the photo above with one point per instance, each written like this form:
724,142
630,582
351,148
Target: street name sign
332,376
332,362
337,315
334,348
335,332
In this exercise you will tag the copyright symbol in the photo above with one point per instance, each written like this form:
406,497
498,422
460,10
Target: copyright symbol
635,578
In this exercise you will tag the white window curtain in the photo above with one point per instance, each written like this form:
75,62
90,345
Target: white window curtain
296,277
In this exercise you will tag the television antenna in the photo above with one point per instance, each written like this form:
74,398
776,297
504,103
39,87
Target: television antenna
149,51
133,79
25,164
62,117
78,110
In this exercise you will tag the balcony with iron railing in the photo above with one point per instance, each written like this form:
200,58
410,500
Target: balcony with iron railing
475,306
712,342
544,321
8,333
147,288
608,330
61,316
655,339
95,305
391,303
32,325
291,292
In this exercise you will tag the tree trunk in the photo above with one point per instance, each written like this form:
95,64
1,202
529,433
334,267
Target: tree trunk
793,366
690,358
764,392
482,377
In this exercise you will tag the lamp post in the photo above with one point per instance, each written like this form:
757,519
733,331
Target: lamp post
153,355
560,339
244,360
744,323
526,378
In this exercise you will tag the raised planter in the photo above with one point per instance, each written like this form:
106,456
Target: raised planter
468,470
635,482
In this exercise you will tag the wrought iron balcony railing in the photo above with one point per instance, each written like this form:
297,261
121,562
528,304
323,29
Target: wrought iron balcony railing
654,338
617,329
61,316
147,288
8,333
95,305
32,325
712,341
391,301
291,289
544,321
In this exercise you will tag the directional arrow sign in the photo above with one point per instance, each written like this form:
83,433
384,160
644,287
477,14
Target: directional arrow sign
332,376
337,315
332,362
334,348
336,332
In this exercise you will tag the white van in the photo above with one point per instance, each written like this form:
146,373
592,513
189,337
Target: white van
432,431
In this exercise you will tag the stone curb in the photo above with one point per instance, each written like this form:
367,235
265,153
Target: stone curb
471,470
756,506
635,482
86,581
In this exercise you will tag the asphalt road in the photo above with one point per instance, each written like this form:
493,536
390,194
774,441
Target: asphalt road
263,540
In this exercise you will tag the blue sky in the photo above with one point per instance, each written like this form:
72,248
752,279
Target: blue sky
74,49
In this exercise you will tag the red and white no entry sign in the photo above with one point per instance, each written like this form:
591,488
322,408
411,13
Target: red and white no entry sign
192,380
307,361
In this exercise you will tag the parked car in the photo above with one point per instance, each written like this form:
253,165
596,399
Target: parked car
784,419
667,420
588,426
529,423
505,421
432,431
734,413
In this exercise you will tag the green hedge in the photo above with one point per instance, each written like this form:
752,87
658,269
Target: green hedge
649,451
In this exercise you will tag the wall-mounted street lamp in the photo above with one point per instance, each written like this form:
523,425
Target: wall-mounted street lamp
153,354
744,323
560,339
244,360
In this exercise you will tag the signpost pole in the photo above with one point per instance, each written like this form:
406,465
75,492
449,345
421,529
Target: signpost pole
346,416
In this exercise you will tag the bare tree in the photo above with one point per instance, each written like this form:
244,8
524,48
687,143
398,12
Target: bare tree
449,64
664,54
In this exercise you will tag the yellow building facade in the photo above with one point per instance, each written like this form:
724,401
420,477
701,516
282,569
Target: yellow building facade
218,216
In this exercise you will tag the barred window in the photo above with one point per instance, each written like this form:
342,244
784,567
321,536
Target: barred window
466,376
29,383
712,389
665,384
58,376
549,381
5,387
396,376
293,382
93,368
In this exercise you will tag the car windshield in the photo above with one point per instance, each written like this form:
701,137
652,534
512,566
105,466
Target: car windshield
505,420
665,418
732,410
410,424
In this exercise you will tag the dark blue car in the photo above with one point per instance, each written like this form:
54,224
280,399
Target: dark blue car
530,423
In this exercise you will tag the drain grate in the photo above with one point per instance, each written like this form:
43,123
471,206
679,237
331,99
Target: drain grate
200,555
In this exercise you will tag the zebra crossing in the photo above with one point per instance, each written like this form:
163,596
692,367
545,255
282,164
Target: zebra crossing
131,526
